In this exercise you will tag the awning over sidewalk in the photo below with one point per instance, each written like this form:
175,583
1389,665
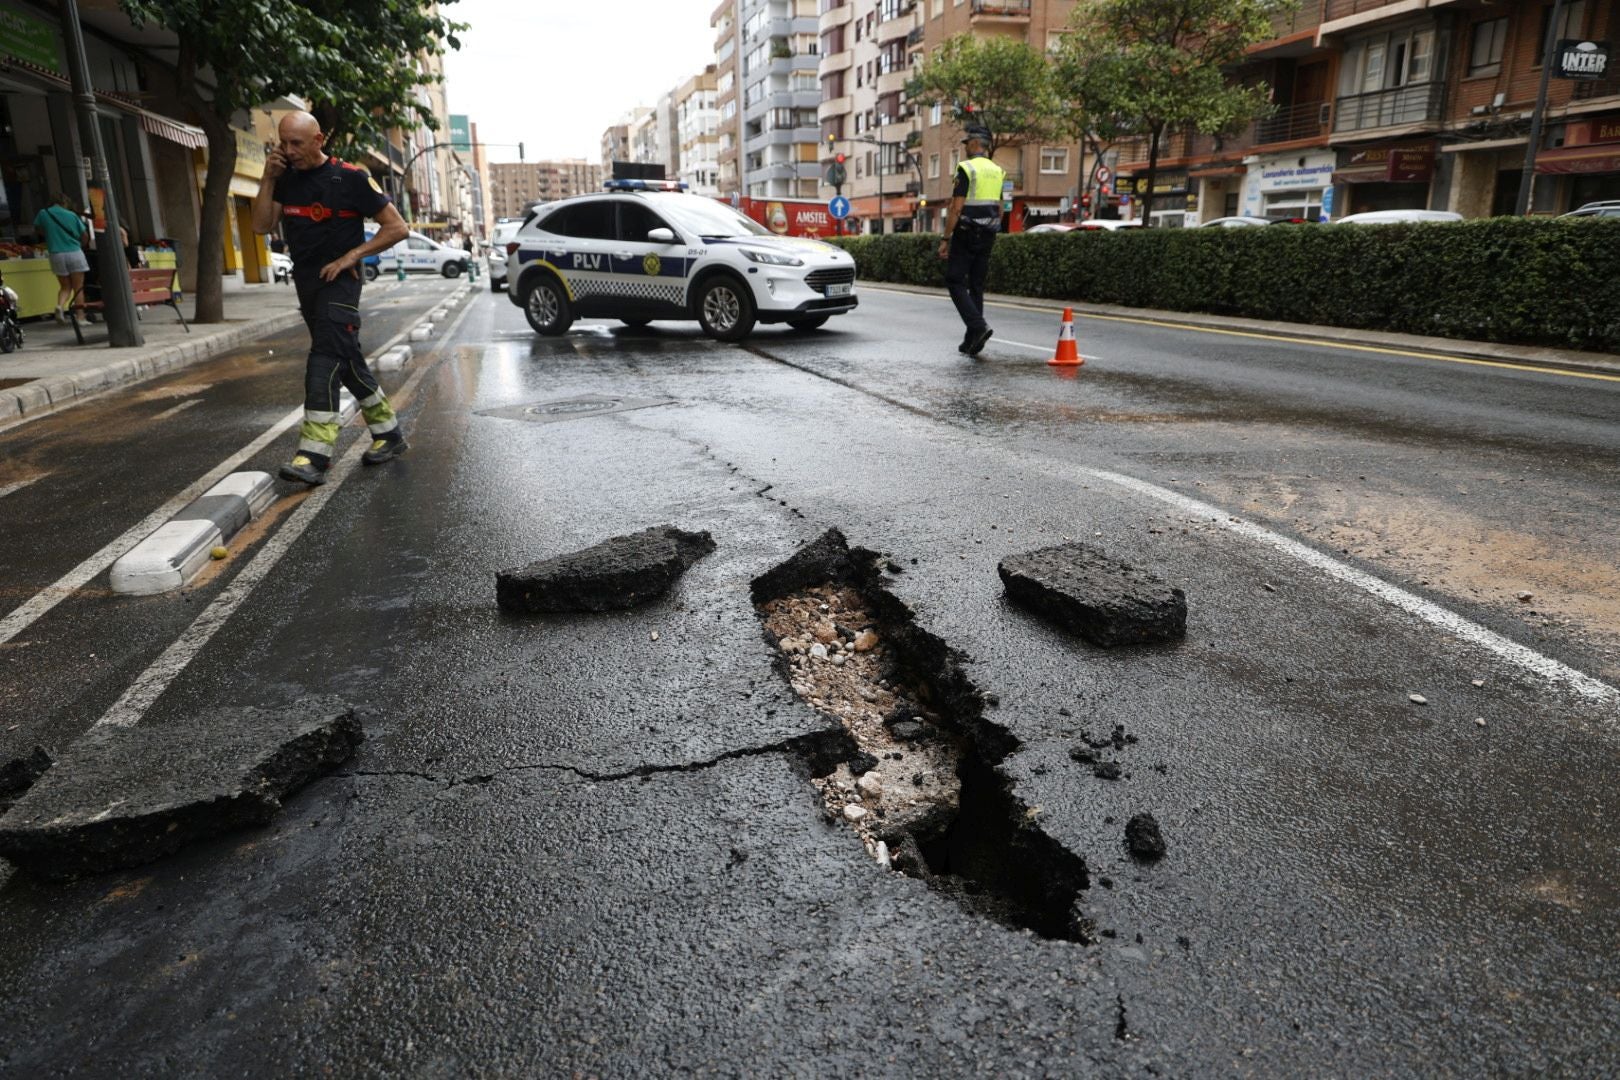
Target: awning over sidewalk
194,138
1604,158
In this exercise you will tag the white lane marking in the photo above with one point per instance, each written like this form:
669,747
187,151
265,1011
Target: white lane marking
1471,632
133,703
18,485
47,598
177,409
1037,348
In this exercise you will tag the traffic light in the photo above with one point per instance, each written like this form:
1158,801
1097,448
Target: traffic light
838,158
1085,199
922,203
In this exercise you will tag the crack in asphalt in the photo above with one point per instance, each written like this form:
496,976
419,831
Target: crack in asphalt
812,747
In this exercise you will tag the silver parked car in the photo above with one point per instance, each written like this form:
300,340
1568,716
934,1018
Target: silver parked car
1608,208
1394,217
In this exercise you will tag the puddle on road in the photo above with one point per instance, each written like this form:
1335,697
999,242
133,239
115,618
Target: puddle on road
924,793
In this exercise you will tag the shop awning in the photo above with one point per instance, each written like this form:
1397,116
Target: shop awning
1211,171
1604,158
173,130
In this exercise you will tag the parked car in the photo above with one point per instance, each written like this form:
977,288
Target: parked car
1108,223
1052,227
420,252
1606,209
280,267
1395,217
645,250
1239,221
504,232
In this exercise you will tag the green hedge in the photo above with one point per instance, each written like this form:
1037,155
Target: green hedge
1543,282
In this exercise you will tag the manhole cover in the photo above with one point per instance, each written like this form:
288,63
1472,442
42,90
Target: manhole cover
554,412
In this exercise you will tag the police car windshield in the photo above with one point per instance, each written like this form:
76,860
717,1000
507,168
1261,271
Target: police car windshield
707,218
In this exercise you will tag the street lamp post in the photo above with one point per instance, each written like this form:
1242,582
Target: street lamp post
122,329
1527,176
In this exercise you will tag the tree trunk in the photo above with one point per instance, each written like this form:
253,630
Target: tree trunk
1152,176
216,201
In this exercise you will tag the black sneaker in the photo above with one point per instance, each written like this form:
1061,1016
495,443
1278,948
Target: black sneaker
385,450
963,347
305,470
976,343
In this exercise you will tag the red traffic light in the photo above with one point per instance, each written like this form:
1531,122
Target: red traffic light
1085,199
838,158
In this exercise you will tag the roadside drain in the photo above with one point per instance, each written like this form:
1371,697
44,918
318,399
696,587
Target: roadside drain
924,791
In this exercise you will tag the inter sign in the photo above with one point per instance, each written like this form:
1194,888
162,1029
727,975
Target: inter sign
1582,60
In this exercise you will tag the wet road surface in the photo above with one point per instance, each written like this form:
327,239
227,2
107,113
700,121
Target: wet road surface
570,846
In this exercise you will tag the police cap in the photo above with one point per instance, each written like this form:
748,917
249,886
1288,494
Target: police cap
976,131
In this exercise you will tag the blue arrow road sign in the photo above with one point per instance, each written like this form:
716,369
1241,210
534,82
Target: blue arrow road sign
838,208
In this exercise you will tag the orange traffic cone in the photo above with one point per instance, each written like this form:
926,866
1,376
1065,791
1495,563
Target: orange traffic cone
1068,355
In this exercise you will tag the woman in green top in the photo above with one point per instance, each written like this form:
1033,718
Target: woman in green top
64,230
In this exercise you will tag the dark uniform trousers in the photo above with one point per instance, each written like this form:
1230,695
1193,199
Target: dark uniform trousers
331,310
965,270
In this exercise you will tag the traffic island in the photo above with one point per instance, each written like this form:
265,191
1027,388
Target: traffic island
1105,601
120,797
620,573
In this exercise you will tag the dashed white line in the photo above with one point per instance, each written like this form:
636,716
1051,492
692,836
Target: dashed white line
133,703
177,409
18,485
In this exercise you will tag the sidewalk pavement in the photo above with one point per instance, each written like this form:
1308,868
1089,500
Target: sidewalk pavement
52,370
1527,355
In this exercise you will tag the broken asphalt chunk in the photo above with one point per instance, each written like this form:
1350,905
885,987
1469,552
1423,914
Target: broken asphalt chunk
826,560
1143,838
619,573
1105,601
124,796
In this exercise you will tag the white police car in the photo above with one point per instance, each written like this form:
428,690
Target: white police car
645,250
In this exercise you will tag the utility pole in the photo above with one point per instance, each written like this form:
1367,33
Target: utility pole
123,331
1527,178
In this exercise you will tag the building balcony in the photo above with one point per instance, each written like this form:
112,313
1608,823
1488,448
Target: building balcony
1403,105
1293,123
1000,11
1341,15
833,63
894,81
915,38
835,107
837,16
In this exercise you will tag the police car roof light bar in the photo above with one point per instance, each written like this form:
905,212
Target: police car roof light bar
646,185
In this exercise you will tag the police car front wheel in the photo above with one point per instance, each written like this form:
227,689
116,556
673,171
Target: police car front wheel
546,307
725,309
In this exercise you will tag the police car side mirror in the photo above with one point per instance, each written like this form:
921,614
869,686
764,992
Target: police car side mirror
661,236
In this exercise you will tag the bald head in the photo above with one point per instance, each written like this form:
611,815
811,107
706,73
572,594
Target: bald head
302,140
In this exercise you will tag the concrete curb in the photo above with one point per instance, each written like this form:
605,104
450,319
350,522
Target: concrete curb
180,547
1528,355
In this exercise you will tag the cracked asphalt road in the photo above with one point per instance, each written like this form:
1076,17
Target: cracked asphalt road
566,847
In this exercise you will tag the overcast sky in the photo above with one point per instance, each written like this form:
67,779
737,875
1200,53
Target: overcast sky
553,74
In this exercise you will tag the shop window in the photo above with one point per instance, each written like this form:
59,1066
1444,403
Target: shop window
1485,54
1055,160
1570,25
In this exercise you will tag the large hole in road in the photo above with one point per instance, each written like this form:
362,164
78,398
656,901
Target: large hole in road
924,792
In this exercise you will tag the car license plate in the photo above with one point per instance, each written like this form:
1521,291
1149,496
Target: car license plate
840,289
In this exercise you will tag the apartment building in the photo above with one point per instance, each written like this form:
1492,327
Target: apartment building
514,185
697,133
1396,104
868,48
1041,175
727,100
767,93
617,143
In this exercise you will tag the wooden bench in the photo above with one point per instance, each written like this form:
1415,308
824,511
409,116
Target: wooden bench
152,287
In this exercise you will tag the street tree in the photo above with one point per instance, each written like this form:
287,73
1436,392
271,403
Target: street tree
1000,83
351,59
1145,67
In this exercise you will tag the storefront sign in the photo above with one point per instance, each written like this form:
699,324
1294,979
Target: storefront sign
249,154
1582,60
1605,131
31,40
1392,164
1288,173
460,133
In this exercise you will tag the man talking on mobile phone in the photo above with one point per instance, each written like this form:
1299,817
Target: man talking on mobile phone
321,204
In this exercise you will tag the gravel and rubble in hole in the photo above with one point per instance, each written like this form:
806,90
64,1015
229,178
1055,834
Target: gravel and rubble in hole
904,786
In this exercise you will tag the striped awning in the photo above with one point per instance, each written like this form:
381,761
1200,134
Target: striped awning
194,138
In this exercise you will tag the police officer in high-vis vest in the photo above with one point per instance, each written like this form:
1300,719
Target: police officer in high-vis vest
321,204
971,224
